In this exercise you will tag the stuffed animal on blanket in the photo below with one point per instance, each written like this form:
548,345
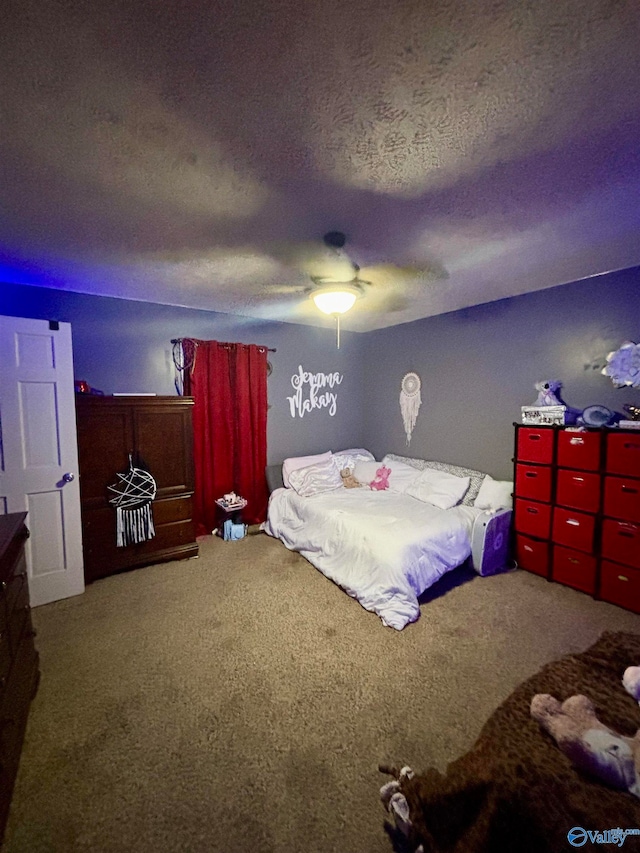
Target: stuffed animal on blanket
381,480
631,681
592,747
348,479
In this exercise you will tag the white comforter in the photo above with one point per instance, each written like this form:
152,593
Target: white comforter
382,548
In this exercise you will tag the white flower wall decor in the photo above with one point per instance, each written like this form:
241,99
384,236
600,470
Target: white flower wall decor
623,365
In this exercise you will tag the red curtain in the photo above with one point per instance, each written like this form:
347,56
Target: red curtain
229,386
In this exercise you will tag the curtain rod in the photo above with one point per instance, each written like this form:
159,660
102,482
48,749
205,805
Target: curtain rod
179,341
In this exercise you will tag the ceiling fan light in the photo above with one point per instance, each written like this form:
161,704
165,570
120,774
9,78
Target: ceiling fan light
335,299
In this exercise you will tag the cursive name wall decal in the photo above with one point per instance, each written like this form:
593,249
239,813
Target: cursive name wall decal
313,391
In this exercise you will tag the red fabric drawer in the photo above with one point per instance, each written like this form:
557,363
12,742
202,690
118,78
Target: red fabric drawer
532,555
533,481
620,585
573,529
622,498
578,490
532,518
579,450
621,542
574,568
535,444
623,454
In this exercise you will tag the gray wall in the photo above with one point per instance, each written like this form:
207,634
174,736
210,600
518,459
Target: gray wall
125,346
479,365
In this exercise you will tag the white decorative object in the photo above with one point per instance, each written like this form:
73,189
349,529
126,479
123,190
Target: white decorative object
313,391
543,415
623,365
133,494
410,402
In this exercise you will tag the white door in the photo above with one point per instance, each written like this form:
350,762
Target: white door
39,453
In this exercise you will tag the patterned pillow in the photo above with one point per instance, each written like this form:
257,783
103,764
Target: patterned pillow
316,479
475,477
349,458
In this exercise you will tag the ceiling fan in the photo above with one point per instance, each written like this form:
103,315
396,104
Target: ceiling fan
337,280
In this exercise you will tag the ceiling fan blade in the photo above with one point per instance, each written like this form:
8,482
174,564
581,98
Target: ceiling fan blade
391,274
316,260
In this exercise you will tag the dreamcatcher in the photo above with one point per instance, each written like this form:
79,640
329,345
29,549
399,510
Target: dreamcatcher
410,402
132,498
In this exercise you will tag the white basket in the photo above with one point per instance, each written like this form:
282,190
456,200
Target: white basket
544,415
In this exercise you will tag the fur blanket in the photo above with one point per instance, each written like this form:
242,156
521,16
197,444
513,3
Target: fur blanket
515,790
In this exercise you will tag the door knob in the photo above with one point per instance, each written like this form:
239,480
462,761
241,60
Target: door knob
68,477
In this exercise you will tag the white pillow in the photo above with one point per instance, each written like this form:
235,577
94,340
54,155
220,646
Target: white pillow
316,479
495,494
295,462
401,476
365,472
439,488
349,458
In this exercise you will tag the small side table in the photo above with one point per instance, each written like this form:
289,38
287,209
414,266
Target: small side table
227,513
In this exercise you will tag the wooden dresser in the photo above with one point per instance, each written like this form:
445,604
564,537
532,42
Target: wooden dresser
577,509
159,431
18,658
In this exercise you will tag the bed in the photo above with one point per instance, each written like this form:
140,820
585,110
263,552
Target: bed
384,548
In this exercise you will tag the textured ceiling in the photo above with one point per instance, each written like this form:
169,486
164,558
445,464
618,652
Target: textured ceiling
177,152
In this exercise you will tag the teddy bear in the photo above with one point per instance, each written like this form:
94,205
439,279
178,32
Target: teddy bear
548,393
592,747
348,479
381,480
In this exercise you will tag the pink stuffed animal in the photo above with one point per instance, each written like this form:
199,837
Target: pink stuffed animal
381,481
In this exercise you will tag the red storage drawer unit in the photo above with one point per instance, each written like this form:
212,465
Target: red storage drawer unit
579,450
535,444
532,555
573,529
620,585
574,568
533,481
622,498
621,542
578,489
532,518
623,454
577,508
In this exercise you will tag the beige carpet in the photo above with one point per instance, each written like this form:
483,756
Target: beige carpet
241,703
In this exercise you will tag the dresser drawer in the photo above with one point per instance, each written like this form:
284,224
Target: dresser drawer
622,498
533,481
172,509
620,585
573,529
535,444
532,555
19,615
578,490
621,542
623,454
579,450
574,568
532,518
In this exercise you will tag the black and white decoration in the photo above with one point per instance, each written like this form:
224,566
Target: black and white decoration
133,494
